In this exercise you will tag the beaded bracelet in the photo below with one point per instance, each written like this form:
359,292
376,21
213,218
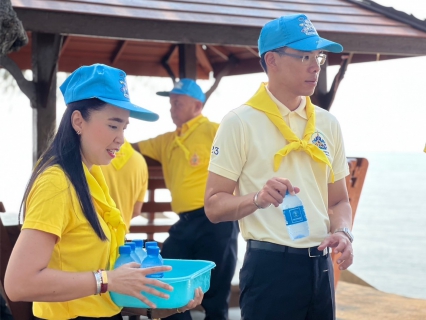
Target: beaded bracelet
255,201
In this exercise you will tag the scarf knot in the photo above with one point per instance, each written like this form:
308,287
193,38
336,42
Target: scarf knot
113,217
262,101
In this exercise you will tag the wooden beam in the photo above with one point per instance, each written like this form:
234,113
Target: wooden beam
187,61
165,62
221,52
207,33
231,63
118,51
45,56
252,51
203,60
65,43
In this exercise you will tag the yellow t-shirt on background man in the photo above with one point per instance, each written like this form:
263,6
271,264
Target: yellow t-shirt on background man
127,180
185,172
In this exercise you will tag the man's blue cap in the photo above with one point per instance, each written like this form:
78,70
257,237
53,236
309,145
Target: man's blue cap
295,31
105,83
187,87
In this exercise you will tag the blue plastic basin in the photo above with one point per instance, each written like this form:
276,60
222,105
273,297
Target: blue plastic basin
185,277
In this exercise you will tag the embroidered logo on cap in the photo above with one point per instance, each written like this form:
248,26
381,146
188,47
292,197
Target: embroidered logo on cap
178,85
123,83
307,27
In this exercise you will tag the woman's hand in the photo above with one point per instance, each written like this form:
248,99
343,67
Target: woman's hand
163,313
130,279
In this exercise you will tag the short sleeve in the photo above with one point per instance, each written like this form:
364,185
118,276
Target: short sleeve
144,180
228,154
151,147
340,163
49,202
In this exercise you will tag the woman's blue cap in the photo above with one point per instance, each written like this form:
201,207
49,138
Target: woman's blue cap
295,31
187,87
105,83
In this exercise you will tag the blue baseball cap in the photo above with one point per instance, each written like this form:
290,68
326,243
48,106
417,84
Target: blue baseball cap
295,31
105,83
187,87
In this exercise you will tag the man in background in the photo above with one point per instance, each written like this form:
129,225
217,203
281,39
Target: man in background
127,180
184,155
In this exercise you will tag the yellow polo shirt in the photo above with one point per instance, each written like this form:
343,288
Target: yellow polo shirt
127,180
53,207
246,143
185,176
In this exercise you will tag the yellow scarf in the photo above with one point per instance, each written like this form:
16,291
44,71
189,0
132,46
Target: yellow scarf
105,207
123,155
179,140
263,102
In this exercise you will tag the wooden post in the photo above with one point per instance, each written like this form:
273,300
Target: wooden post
45,55
187,61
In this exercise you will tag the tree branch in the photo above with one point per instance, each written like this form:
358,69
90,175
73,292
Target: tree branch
26,86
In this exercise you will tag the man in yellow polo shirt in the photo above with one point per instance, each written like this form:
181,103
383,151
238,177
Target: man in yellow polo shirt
277,142
184,155
127,180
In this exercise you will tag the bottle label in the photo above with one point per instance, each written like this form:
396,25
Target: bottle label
295,215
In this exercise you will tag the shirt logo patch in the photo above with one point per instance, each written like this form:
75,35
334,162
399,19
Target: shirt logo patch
318,139
194,160
123,84
307,27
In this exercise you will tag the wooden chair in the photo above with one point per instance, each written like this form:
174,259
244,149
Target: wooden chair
354,182
8,237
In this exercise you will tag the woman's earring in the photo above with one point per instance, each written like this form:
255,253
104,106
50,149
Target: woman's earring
78,132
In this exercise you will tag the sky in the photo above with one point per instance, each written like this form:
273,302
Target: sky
380,106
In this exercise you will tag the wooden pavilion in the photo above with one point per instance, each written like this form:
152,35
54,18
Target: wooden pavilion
197,39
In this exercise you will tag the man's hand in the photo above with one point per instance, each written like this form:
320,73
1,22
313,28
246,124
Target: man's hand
273,192
340,244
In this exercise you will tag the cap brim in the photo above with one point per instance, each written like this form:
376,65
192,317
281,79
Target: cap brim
163,93
135,111
316,43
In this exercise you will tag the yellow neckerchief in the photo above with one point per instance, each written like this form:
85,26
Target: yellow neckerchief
110,213
263,102
180,139
123,155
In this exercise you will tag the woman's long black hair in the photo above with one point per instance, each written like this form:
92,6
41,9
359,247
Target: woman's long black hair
64,151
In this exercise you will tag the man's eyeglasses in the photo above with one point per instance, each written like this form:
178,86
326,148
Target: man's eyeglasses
306,59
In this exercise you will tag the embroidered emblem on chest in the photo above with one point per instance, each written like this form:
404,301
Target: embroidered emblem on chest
307,27
194,160
318,139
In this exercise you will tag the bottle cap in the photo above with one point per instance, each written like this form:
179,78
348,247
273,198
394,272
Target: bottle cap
138,243
132,245
124,249
151,243
153,250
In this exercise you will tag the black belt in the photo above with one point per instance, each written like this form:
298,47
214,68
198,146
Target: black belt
311,252
189,215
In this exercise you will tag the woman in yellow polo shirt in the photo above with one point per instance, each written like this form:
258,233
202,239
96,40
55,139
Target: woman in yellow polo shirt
72,228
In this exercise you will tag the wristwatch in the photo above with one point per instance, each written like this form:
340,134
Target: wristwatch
347,232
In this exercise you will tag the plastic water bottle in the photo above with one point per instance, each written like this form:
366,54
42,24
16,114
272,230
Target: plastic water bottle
124,256
133,254
295,217
153,244
140,252
153,260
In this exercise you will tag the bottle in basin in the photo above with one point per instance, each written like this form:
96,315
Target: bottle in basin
295,217
153,244
133,254
124,256
153,260
140,252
